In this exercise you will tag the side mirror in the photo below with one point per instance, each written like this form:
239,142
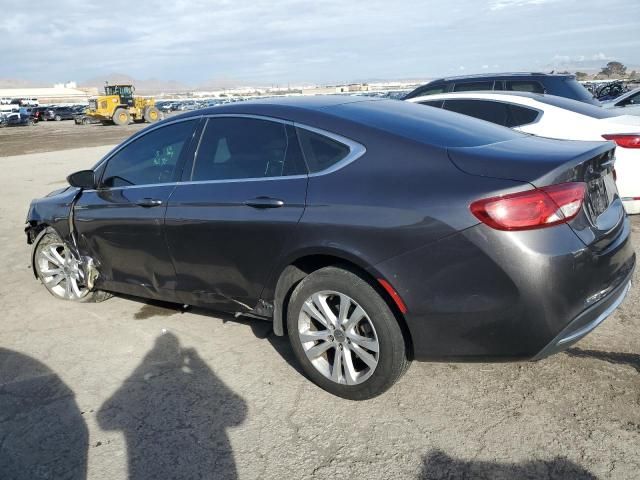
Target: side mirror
83,179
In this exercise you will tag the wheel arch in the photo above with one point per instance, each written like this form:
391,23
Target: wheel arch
297,269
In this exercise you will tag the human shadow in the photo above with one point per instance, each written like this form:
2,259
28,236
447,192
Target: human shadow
174,412
437,465
42,432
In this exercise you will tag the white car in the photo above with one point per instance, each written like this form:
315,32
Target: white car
626,104
557,117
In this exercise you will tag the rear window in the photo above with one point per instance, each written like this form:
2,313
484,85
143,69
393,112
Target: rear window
579,91
524,86
472,86
321,152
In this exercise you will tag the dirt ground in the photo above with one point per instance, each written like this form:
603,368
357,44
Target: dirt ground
51,135
129,389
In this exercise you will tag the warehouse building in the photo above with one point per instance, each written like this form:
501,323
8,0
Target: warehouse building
61,93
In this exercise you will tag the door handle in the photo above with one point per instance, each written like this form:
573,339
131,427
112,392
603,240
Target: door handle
149,202
264,202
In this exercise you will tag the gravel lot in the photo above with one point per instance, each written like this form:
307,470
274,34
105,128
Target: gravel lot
50,136
129,389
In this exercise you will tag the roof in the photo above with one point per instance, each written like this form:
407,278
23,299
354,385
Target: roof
348,116
500,75
575,106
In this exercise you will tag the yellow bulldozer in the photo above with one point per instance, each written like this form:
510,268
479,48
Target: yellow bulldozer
119,105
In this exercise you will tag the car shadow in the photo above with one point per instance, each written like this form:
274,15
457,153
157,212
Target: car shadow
174,413
631,359
263,330
43,434
437,465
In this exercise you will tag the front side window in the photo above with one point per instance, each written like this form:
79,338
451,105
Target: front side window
494,112
150,159
237,148
472,86
524,86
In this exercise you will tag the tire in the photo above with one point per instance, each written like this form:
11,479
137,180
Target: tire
46,262
57,118
121,117
349,368
151,114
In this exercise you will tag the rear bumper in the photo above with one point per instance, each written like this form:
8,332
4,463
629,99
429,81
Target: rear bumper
586,322
484,295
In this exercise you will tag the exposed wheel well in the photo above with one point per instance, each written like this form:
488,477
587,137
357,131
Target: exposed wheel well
296,271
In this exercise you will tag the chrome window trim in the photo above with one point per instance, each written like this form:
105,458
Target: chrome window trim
356,150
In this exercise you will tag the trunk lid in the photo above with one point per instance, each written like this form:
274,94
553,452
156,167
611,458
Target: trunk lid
542,162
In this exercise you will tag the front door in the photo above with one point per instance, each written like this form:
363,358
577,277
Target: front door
228,223
120,224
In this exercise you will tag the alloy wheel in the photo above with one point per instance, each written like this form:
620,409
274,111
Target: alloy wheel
338,337
60,271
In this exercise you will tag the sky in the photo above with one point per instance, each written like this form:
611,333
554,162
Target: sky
282,42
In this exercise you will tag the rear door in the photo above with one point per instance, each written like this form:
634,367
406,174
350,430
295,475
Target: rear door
120,224
234,215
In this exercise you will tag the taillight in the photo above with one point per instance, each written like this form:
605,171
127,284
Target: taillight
624,140
538,208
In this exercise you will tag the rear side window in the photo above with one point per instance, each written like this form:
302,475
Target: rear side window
321,152
472,86
241,148
524,86
433,103
519,115
494,112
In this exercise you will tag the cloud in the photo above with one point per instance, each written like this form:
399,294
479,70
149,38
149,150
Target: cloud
502,4
263,43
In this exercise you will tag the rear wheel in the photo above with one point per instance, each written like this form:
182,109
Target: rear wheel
57,118
151,114
344,334
59,270
121,117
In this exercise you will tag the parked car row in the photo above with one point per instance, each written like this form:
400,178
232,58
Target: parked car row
59,113
15,119
371,232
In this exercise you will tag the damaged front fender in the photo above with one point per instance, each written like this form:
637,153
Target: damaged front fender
55,212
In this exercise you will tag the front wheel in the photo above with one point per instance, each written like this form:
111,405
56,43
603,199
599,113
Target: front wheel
151,115
344,334
121,117
59,270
